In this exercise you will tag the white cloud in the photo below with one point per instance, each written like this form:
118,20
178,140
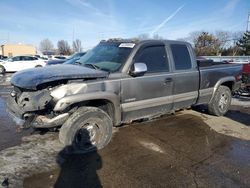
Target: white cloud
162,24
219,19
85,5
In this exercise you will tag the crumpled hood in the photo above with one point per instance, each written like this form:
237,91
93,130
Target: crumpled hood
31,78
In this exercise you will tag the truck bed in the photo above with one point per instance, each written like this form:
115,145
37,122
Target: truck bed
211,72
208,63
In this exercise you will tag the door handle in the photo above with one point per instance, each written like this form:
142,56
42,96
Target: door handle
167,80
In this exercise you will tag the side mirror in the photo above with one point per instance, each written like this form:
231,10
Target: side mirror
138,69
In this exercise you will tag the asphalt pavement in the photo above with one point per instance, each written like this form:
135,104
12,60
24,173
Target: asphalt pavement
188,149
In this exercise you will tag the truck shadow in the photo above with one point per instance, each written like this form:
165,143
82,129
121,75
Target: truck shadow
78,169
236,113
239,116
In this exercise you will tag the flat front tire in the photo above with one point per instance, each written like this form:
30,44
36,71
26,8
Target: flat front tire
221,101
87,129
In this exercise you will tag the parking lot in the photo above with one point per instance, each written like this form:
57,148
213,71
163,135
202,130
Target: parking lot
188,149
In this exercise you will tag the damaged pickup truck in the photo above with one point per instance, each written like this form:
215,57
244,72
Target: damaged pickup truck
117,82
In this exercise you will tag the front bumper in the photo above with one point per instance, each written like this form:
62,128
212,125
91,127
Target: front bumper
14,111
19,122
35,121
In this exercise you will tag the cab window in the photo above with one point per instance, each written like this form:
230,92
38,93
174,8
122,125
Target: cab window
182,59
155,58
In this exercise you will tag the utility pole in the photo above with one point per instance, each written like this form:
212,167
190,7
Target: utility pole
73,37
8,41
248,22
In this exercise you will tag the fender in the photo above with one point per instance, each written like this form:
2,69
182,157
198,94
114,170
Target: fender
221,81
65,102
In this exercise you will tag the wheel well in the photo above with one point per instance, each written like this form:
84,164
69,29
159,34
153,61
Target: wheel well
229,84
106,105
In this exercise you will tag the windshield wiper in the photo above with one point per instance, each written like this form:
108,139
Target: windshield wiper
89,65
93,66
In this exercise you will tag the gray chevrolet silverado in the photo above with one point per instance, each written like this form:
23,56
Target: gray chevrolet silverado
117,82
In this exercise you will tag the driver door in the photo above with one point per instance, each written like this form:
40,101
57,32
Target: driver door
151,93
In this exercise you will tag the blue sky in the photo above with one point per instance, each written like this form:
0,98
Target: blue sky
30,21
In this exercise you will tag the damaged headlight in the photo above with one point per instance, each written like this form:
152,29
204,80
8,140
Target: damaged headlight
69,89
32,101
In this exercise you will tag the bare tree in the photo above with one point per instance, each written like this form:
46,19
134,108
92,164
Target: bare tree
77,46
192,37
157,37
146,36
63,47
236,36
46,45
223,40
206,44
217,43
143,36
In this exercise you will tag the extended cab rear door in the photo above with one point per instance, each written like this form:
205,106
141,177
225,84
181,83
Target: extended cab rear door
186,75
150,93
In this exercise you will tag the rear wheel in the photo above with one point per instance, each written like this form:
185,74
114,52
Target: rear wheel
220,102
37,66
87,129
2,69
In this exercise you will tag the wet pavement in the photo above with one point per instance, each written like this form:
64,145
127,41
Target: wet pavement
176,151
9,136
188,149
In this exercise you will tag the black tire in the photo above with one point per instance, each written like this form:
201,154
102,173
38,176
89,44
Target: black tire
87,129
220,102
2,69
37,66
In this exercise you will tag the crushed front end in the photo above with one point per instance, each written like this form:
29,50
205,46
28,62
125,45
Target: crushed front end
37,91
33,109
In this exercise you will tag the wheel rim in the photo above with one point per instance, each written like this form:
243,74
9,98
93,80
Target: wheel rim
1,69
88,136
223,102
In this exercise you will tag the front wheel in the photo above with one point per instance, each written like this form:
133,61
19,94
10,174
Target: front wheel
87,129
220,103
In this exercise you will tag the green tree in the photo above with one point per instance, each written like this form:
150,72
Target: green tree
244,43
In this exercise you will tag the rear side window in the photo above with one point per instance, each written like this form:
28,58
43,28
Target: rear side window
181,57
155,58
27,58
17,58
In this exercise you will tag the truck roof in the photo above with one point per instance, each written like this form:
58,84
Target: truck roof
138,41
